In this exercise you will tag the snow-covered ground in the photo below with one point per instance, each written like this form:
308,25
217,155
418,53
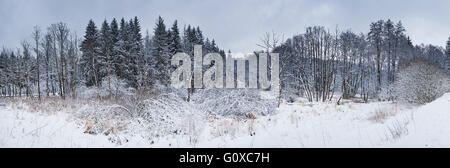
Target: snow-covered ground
298,124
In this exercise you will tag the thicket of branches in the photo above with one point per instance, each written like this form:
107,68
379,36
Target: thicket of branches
421,82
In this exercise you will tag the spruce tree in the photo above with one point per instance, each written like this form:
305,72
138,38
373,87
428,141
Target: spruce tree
136,60
160,53
89,59
121,50
175,39
447,52
106,50
198,36
114,39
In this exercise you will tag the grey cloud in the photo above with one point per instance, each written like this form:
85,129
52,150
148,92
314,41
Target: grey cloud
235,24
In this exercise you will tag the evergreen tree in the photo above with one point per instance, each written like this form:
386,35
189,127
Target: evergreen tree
375,37
114,31
389,36
214,46
175,39
447,52
89,59
198,36
160,53
121,49
147,67
105,56
136,60
115,36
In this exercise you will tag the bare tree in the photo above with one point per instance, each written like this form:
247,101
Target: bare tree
26,67
269,42
47,44
61,33
37,37
73,67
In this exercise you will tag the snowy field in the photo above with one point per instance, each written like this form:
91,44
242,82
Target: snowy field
297,124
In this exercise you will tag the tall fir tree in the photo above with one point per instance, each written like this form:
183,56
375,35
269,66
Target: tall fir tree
89,60
375,37
121,50
106,47
447,52
106,54
160,53
198,36
136,60
175,39
114,39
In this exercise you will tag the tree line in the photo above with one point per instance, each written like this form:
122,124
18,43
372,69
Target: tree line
315,64
57,62
320,62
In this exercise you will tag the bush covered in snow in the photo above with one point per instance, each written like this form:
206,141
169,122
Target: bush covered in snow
421,82
153,116
238,102
168,113
111,86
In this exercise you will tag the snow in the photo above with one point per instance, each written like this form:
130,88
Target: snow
297,124
430,125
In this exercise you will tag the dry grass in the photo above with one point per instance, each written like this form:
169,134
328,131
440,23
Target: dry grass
222,127
397,130
380,115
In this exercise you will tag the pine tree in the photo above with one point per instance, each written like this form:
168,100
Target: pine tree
208,47
175,39
136,53
146,74
187,46
160,53
114,31
198,36
447,52
389,36
399,40
115,37
89,59
214,46
121,50
105,55
375,37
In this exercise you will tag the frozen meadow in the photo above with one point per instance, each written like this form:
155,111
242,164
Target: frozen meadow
58,123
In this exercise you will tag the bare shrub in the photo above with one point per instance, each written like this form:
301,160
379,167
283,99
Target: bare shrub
152,116
236,102
169,114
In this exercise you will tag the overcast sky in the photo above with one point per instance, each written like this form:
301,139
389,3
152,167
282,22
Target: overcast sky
235,24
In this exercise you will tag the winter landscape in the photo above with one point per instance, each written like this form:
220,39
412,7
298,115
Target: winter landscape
110,82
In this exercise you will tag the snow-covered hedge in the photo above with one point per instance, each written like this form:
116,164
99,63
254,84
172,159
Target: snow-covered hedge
238,102
421,82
